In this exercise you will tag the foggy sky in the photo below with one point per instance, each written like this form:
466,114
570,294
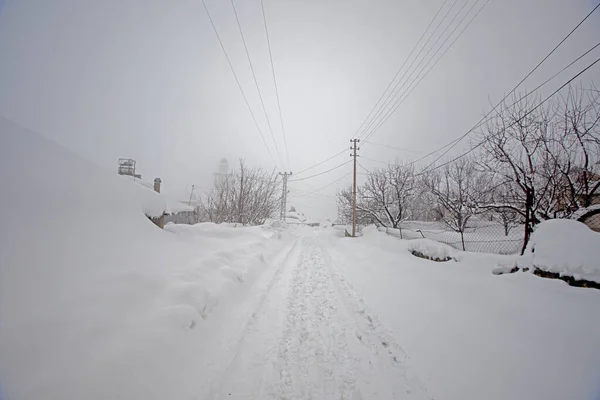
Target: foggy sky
148,80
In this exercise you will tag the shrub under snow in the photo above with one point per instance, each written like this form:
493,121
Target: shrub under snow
565,247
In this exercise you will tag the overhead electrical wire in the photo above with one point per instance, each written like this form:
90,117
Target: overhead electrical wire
420,75
287,153
485,118
390,98
321,173
326,186
303,193
456,141
256,82
433,168
372,159
390,147
238,81
452,144
322,162
399,70
366,170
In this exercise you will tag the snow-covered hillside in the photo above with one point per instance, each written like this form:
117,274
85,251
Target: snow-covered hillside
96,302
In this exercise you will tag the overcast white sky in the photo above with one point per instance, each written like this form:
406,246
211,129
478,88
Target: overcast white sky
148,80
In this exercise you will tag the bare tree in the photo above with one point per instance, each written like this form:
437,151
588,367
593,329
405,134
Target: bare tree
515,149
383,198
576,149
247,196
345,204
460,189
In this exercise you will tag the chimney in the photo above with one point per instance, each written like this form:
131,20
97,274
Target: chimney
157,185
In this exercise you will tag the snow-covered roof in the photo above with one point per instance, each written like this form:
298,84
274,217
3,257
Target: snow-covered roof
170,204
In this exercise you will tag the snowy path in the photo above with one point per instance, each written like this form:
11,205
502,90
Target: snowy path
310,337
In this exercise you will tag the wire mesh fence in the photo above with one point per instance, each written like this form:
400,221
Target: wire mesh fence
592,220
478,236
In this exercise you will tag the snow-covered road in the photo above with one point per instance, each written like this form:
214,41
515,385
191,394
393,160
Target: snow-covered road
310,337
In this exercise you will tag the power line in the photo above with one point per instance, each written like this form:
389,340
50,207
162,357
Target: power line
322,162
400,69
454,142
371,159
425,170
287,153
328,185
390,98
486,117
306,194
238,81
322,173
366,170
403,96
256,82
391,147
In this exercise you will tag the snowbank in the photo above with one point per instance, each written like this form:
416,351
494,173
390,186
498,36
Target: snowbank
431,249
96,302
565,247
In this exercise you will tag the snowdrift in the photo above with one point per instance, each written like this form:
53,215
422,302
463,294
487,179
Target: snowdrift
96,302
564,247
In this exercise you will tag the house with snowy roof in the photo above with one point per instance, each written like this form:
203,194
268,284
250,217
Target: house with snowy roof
163,206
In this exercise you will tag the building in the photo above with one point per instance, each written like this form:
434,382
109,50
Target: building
159,207
222,171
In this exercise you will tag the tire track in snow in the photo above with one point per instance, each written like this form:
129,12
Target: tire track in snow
217,389
314,360
311,337
371,333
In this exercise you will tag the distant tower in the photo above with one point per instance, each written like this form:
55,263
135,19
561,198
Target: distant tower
222,172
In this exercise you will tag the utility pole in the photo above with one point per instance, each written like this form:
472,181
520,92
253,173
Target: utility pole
355,149
284,194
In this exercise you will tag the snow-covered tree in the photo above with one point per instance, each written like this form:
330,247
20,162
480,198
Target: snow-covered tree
547,155
383,198
248,196
460,190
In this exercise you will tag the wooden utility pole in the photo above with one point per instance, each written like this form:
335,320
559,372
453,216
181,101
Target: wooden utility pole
284,194
355,149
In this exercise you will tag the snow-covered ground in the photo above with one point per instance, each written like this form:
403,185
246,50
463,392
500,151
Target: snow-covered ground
96,302
471,334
